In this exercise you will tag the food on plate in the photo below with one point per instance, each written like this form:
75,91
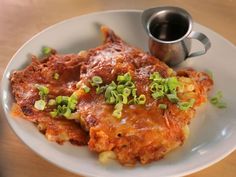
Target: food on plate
122,102
37,80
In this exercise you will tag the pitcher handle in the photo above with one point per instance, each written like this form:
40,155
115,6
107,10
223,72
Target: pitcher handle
203,39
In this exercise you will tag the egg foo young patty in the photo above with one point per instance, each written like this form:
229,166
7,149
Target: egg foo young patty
115,98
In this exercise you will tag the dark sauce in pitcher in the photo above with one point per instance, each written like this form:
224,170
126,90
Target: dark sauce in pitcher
168,31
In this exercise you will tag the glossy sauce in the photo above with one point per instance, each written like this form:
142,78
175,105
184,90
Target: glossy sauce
168,31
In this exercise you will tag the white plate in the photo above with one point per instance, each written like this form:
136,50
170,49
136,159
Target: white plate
213,131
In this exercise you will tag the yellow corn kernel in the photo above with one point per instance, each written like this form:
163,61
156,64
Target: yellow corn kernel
106,156
83,53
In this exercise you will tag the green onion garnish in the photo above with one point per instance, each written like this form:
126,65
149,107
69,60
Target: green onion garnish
164,86
117,114
157,95
53,113
56,76
217,100
58,99
161,87
172,83
122,92
173,98
126,92
155,76
40,105
118,110
43,91
141,99
65,105
101,89
46,50
120,88
186,105
85,88
96,80
122,79
67,113
162,106
124,99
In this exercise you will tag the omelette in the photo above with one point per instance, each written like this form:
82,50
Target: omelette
118,100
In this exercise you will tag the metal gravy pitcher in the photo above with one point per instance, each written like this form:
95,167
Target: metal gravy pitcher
170,33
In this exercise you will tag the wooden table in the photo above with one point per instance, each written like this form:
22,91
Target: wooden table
21,19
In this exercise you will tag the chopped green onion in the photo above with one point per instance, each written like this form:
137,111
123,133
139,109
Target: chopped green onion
162,106
161,87
124,99
122,92
221,105
58,99
56,76
155,76
117,114
110,92
126,92
134,92
172,83
97,80
72,102
113,85
74,95
124,78
118,110
173,98
102,89
142,99
53,113
154,86
120,88
66,105
157,95
40,105
64,100
42,89
67,114
217,100
186,105
85,88
117,96
61,109
46,50
130,84
111,100
119,106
